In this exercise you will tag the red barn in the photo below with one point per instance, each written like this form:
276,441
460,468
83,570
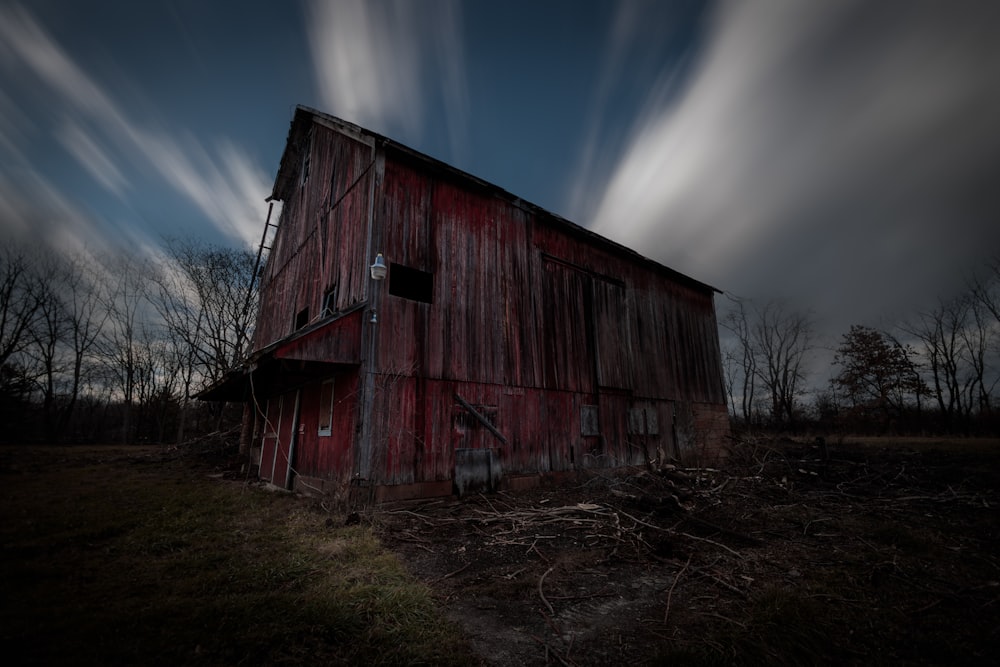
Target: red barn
505,344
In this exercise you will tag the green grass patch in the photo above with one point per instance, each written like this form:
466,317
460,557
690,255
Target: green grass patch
123,556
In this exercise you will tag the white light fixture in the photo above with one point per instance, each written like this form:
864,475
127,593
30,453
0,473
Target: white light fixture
379,269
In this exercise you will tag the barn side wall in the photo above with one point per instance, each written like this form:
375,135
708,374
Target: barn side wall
579,354
319,247
533,324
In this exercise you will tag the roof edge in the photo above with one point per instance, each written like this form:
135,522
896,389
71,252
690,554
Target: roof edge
291,155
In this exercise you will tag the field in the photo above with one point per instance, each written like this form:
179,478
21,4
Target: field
142,556
856,553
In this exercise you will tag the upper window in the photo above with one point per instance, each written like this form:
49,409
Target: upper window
329,302
411,283
302,318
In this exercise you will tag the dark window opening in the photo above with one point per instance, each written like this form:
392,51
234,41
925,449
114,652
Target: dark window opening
411,283
329,302
466,421
302,319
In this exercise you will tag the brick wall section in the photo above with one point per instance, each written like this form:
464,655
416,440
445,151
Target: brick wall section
702,433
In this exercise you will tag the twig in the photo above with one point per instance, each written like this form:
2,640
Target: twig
454,572
541,594
719,581
670,593
713,542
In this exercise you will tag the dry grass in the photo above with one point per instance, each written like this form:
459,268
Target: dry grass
130,556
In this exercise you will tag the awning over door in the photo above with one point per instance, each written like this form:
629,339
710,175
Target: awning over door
310,354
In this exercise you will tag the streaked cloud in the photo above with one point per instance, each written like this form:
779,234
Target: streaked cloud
814,140
378,62
92,157
32,208
224,183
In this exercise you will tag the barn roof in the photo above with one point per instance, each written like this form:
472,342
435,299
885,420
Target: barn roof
305,117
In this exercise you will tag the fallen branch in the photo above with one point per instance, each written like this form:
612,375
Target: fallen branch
670,593
541,594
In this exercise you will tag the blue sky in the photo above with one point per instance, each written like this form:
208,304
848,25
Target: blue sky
843,154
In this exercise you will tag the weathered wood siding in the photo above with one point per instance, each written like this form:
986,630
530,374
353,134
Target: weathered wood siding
578,353
529,323
328,456
321,236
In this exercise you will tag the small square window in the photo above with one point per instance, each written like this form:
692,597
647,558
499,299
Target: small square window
636,422
589,422
463,420
326,408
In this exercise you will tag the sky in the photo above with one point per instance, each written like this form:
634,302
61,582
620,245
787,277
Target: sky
841,154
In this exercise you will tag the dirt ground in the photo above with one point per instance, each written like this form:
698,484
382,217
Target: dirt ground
791,553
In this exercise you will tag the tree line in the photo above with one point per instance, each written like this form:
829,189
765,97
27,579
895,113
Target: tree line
936,372
113,348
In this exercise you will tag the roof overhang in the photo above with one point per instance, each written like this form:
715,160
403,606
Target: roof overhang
308,355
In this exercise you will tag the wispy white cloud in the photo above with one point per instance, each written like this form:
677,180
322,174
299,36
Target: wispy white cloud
222,181
226,185
379,62
636,35
92,157
813,140
33,209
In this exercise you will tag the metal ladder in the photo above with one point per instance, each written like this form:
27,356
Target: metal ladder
268,225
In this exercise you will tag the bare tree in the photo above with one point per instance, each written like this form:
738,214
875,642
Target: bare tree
982,337
46,334
85,309
941,334
217,284
782,338
772,343
19,301
120,337
202,298
741,361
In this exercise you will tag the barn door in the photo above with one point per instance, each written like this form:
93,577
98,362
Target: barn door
568,332
269,439
280,431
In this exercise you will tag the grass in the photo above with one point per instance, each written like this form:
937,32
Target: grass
113,555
